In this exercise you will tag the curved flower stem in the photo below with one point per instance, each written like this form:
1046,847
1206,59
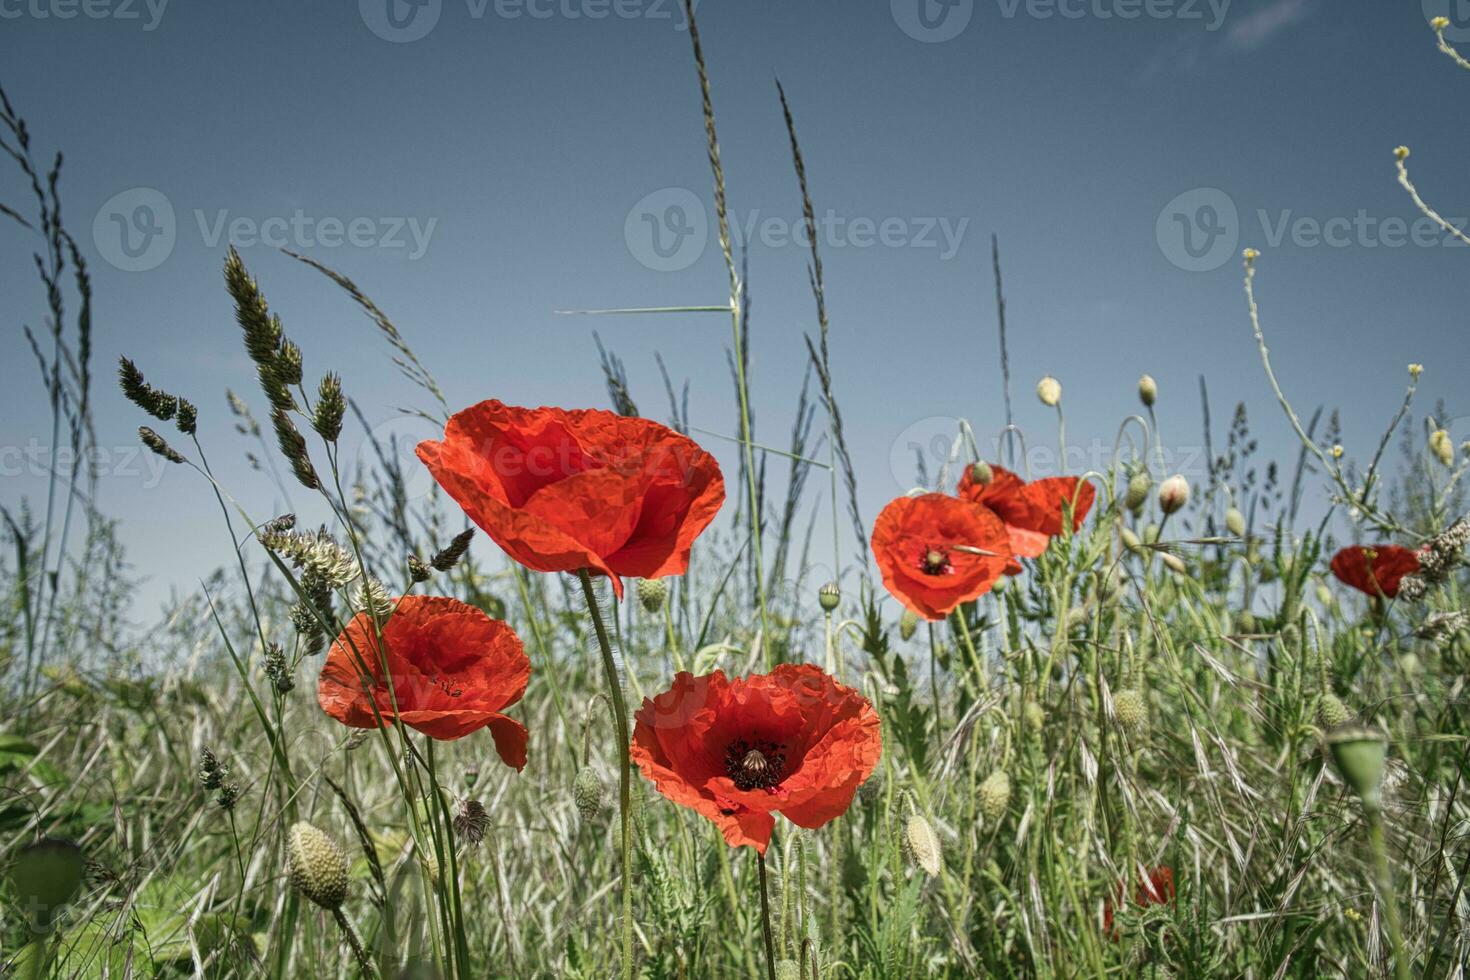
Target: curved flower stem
625,785
364,961
766,920
1386,897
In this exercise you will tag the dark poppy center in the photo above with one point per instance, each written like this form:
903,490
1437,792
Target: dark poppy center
758,764
934,561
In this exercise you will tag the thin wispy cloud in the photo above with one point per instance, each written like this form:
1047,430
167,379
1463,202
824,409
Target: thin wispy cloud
1246,33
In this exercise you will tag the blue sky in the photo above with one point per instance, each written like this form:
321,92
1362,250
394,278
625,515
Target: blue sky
477,165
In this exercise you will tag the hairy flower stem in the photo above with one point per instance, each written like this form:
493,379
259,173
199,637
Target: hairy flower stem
766,921
1384,880
353,940
625,784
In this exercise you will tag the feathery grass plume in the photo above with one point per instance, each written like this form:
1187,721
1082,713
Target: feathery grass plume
1440,556
1440,627
212,772
617,380
316,865
331,407
293,447
315,550
1130,709
156,443
652,594
159,404
995,795
450,556
369,594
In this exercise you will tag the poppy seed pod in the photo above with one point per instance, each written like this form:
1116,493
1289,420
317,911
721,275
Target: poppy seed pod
1359,753
995,795
908,624
1442,447
1138,487
922,845
1235,522
1130,709
652,592
318,868
1148,390
1173,494
1049,390
829,596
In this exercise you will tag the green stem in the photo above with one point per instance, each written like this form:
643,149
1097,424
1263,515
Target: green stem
1386,897
363,961
625,785
766,920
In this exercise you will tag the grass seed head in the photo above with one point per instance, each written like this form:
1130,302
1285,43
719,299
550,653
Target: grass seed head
317,866
1130,709
1331,712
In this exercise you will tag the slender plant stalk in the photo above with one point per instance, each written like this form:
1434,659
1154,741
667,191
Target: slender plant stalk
625,784
766,920
1383,878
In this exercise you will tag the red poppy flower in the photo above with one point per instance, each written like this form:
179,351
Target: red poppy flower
1033,512
1375,570
453,670
793,741
926,549
565,490
1154,888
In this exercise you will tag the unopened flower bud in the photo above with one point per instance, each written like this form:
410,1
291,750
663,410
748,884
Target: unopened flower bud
1442,447
1235,522
1138,487
995,795
908,624
1034,716
922,845
651,593
1148,390
1173,494
981,473
1049,390
317,866
587,792
1331,712
1130,709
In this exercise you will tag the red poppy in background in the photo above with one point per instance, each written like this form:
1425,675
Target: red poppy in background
926,547
564,490
1032,512
1375,570
1154,888
453,668
793,742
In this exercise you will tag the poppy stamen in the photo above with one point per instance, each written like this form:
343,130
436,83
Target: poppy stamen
758,765
934,561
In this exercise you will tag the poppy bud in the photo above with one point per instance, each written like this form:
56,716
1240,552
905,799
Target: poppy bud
651,593
922,845
1049,390
995,795
1174,563
1442,448
1148,390
1173,494
1245,622
1359,753
981,473
44,878
908,624
1130,709
1324,594
829,596
1331,712
1131,541
1235,522
587,792
1138,487
318,868
1034,716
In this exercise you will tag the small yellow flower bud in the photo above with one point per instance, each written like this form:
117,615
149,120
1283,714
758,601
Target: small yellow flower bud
1439,23
1415,370
1336,452
1401,153
1251,255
